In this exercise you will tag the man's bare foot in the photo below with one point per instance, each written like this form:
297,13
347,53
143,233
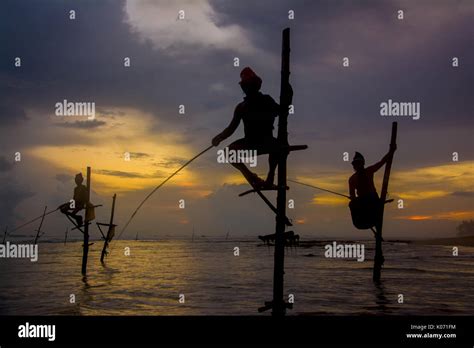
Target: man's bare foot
269,185
257,182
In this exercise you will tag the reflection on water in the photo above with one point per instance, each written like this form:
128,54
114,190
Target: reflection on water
215,282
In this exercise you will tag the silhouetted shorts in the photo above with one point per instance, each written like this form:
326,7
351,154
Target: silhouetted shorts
365,211
264,146
66,209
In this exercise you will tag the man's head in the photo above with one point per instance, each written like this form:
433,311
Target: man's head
79,179
358,161
249,81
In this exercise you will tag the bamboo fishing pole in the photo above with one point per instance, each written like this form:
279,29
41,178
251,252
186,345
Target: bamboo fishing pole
35,219
319,188
160,185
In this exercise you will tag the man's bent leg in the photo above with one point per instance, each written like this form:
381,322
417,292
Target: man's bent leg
74,214
252,178
270,146
272,165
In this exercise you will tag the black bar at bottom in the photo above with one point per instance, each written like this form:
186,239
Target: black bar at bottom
228,330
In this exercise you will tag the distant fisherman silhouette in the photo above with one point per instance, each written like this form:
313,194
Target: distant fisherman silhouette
258,112
365,207
80,200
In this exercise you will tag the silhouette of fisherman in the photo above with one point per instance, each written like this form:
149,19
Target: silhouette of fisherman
80,200
365,202
258,112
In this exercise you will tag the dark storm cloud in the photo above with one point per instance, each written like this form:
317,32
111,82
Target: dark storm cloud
83,59
11,195
402,60
337,109
11,114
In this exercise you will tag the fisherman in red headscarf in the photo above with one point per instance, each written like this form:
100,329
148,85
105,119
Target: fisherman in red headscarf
258,112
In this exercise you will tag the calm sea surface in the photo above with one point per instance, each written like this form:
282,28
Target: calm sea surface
215,282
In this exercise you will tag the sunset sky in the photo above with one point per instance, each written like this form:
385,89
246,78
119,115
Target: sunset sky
190,62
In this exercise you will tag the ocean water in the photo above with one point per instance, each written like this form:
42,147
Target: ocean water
215,282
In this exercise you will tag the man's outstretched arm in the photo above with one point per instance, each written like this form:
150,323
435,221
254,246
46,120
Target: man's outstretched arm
378,165
229,130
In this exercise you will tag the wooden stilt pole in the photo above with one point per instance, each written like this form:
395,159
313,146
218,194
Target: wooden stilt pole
86,225
111,230
38,231
279,305
379,259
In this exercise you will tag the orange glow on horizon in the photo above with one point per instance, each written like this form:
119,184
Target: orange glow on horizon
419,217
452,215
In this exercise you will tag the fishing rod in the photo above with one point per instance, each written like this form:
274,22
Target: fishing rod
160,185
37,218
319,188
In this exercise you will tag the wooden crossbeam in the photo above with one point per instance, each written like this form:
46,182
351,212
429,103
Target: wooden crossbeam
264,189
297,147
